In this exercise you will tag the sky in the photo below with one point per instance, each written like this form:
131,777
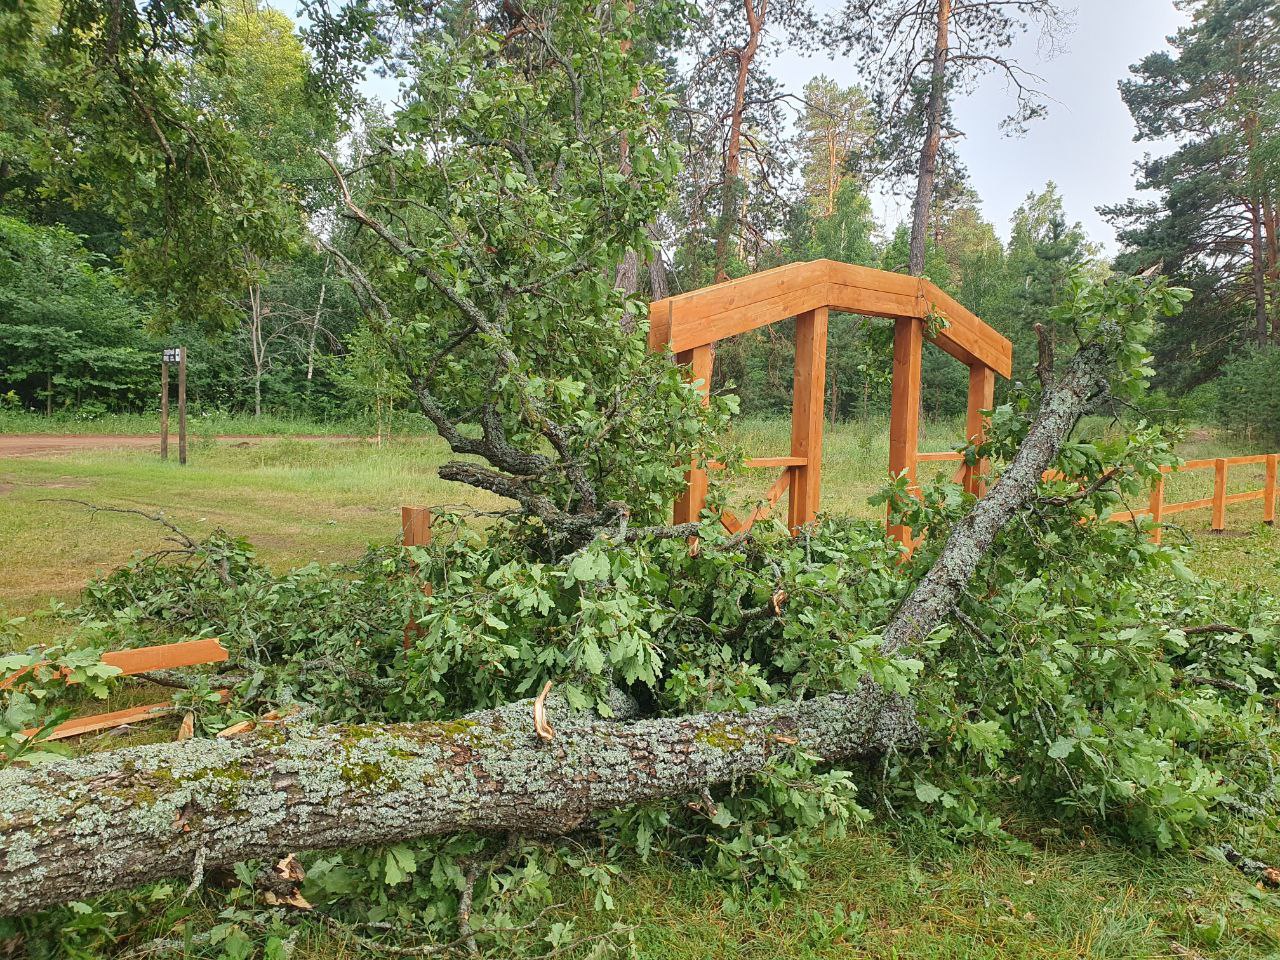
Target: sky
1085,144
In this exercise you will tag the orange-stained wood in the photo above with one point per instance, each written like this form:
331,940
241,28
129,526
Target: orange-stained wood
807,416
1269,491
1157,508
415,525
982,397
1219,495
105,721
166,656
904,414
415,528
713,313
690,505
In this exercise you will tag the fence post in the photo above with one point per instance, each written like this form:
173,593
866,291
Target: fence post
807,416
982,396
415,527
904,412
164,407
1157,509
691,503
1269,491
182,405
1219,495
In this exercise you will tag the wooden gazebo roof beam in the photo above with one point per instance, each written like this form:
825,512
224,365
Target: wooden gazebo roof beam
736,306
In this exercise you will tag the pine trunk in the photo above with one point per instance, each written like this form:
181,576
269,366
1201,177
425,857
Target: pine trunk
932,142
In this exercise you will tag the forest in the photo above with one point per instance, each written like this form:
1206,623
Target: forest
1017,711
769,176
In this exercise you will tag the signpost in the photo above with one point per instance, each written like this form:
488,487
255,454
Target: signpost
176,355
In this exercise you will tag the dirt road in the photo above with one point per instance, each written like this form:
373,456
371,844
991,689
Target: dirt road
42,444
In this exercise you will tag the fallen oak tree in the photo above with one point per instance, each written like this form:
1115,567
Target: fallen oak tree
75,828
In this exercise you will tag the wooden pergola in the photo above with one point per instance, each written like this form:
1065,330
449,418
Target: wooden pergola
690,324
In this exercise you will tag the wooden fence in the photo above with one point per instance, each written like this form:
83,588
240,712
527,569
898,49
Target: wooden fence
1158,509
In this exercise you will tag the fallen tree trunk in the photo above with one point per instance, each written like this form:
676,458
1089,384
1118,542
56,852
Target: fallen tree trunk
72,829
75,828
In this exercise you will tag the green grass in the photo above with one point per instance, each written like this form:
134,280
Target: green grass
213,422
891,891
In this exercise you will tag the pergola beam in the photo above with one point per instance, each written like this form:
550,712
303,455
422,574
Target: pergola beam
726,309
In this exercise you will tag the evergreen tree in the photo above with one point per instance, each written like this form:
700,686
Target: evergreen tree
1215,225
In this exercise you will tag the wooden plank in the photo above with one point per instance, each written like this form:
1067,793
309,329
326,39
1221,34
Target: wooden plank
105,721
700,330
659,324
1258,458
943,457
415,526
904,414
1231,498
982,397
164,409
691,503
872,301
753,463
1219,495
1188,505
1269,491
167,656
1157,508
415,531
807,416
967,338
852,275
742,291
1197,464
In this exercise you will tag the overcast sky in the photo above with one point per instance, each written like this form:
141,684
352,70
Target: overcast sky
1085,144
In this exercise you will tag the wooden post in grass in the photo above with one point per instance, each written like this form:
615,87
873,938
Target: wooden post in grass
1219,495
982,396
415,526
164,405
1157,509
176,355
182,405
904,411
1269,491
691,503
807,416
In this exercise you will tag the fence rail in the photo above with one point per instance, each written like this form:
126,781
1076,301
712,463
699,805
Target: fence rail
1158,509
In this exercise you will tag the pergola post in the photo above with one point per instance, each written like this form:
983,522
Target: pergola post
982,396
904,414
807,416
691,503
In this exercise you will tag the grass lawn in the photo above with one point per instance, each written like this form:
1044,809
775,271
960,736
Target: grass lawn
891,891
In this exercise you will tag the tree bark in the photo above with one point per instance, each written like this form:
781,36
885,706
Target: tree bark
1262,322
733,152
932,142
76,828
